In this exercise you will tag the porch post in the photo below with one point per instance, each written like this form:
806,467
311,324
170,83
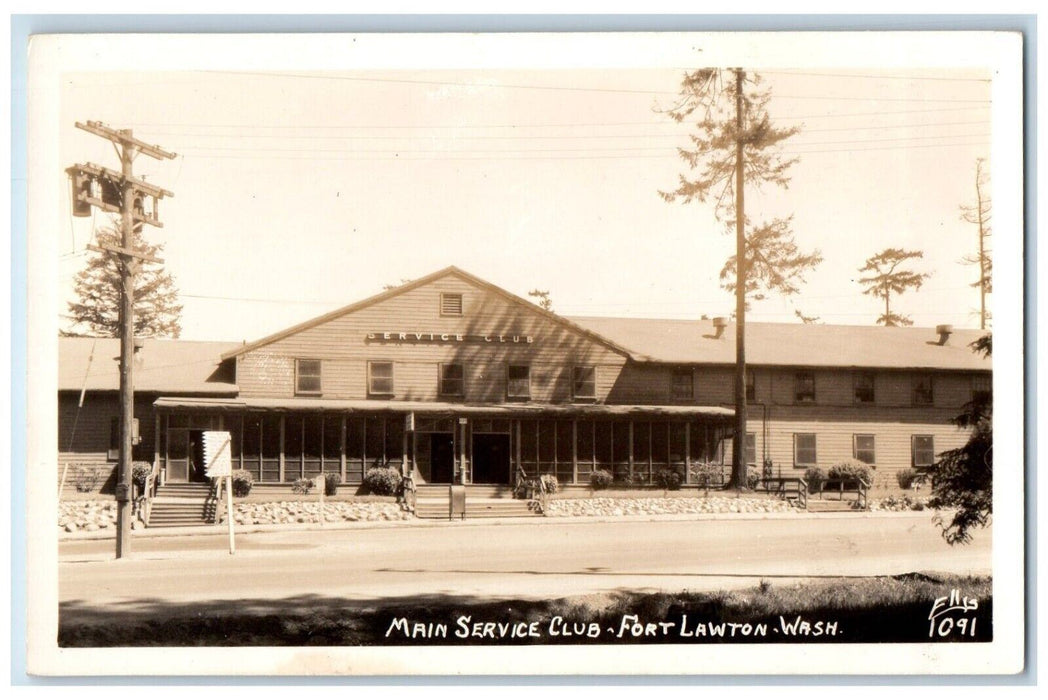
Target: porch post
687,452
574,450
631,449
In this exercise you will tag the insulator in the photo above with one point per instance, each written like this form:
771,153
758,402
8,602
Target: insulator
81,183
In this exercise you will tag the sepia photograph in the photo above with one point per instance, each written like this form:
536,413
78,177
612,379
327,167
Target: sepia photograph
481,354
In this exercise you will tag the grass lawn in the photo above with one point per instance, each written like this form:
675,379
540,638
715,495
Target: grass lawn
836,610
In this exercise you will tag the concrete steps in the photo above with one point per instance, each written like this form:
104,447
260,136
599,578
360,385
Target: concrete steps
181,505
817,505
482,501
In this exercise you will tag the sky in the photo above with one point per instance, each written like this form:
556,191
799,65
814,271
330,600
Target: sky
298,190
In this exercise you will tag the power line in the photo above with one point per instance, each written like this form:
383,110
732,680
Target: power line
878,77
449,157
230,125
525,137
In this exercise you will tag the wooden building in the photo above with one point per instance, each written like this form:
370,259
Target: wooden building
453,379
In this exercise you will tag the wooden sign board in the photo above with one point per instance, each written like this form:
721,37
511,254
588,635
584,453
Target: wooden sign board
217,459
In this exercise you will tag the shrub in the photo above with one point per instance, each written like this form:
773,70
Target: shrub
382,481
86,478
302,486
549,483
906,478
815,478
753,477
331,483
851,469
708,474
600,480
669,479
139,473
623,479
242,482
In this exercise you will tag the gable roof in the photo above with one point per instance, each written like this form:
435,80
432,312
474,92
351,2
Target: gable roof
791,344
168,366
415,284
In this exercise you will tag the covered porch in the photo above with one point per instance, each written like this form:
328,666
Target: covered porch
281,440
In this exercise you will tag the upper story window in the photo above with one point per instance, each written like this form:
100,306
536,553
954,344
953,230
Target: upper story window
452,379
804,387
450,304
982,387
751,386
380,378
865,391
923,448
923,395
518,381
307,377
683,383
584,382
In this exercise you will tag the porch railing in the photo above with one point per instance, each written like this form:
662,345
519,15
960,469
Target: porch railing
786,487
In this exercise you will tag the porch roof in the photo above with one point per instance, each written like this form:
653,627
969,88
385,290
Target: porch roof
436,407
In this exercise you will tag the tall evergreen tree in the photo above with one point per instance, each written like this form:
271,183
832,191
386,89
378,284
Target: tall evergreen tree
887,277
97,308
734,145
980,214
962,479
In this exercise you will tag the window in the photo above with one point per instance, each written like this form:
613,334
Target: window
923,450
380,378
584,382
452,380
683,383
518,381
804,387
863,449
751,387
114,439
922,390
804,450
450,304
307,376
864,387
982,387
751,448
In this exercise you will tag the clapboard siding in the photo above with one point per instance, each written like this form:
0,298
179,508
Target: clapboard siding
83,436
835,429
341,346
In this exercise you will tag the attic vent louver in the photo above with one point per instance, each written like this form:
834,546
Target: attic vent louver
450,304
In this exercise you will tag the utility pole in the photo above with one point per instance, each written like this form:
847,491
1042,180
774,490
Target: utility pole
738,456
121,193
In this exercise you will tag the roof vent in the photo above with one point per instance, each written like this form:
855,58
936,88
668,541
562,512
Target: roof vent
719,324
944,332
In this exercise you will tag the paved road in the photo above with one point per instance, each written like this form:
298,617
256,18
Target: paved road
538,559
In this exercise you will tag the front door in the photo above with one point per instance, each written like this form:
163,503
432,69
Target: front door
441,458
178,456
196,456
490,459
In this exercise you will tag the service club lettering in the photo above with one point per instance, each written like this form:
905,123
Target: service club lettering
416,337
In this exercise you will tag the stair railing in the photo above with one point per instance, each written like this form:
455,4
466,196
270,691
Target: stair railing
143,505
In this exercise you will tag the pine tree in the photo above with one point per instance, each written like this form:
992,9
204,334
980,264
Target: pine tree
962,478
887,278
980,214
735,146
542,298
97,309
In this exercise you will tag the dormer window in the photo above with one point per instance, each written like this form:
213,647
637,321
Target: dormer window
450,304
307,377
584,382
